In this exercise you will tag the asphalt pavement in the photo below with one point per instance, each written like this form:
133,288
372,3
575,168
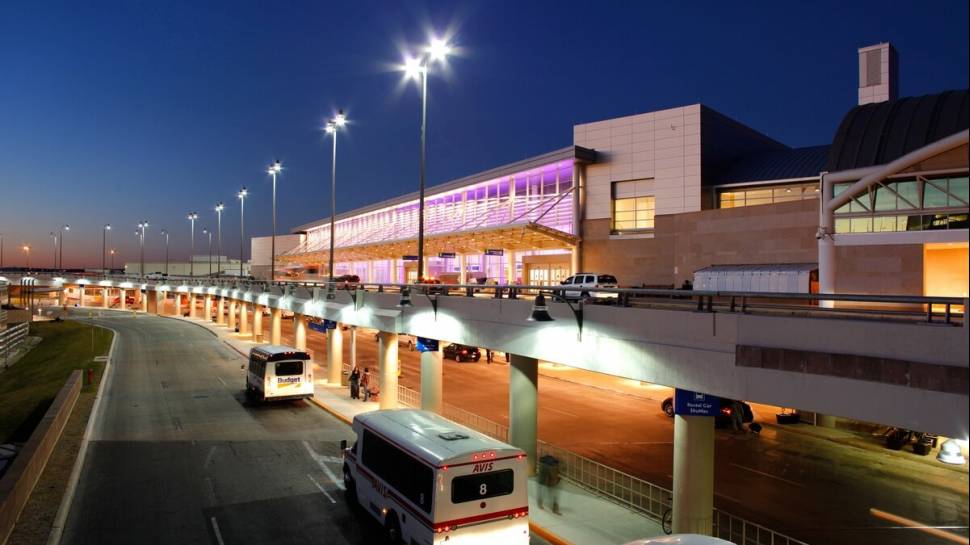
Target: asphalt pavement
178,456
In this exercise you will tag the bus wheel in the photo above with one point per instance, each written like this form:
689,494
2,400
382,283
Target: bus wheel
393,528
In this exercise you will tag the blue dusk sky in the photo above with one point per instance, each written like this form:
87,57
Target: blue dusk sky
115,112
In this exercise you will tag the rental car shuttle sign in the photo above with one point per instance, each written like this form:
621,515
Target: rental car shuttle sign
688,403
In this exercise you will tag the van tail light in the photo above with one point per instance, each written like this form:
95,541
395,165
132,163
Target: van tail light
726,411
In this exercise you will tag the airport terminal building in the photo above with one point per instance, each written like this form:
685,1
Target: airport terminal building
655,198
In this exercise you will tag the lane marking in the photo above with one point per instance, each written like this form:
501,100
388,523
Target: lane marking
215,528
908,523
769,475
322,462
208,457
223,382
211,489
321,489
559,411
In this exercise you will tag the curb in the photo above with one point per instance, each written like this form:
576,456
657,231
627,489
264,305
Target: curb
57,527
332,411
213,333
547,535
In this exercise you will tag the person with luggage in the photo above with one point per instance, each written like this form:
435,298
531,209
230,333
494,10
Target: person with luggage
355,383
549,482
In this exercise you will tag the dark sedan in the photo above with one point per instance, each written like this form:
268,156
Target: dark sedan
460,353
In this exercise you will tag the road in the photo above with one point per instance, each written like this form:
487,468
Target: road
805,486
178,456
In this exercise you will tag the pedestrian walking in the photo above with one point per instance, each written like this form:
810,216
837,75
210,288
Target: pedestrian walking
549,482
365,383
355,383
488,355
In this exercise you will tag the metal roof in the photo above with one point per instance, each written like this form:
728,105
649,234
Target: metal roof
783,164
875,134
577,153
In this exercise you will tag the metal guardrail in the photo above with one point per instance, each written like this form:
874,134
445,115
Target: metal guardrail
924,308
615,485
11,338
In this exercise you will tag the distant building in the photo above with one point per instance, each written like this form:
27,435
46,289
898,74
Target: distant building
261,250
201,265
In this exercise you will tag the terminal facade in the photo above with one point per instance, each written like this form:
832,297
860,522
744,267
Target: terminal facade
653,198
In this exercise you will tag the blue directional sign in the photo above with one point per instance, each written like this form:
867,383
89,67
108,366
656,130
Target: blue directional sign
426,345
494,252
688,403
323,326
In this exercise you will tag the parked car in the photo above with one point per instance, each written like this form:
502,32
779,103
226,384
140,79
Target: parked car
346,281
461,352
583,284
722,420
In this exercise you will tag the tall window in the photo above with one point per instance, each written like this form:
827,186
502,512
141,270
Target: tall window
633,213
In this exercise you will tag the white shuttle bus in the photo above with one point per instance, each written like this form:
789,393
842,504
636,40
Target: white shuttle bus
278,372
430,481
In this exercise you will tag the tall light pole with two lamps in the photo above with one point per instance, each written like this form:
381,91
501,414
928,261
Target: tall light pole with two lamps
141,243
192,217
332,126
273,171
436,51
219,208
60,259
243,193
104,246
206,231
164,233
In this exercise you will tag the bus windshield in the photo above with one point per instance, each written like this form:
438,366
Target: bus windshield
479,486
288,368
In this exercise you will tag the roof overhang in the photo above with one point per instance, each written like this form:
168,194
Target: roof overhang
528,236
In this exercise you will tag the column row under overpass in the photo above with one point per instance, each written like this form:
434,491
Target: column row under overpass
682,350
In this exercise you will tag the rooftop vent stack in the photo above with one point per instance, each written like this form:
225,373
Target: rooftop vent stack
878,73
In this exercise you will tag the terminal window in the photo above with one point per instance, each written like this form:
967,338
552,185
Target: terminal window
633,214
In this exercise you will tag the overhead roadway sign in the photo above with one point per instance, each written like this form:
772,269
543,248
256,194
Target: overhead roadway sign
688,403
446,255
409,258
494,252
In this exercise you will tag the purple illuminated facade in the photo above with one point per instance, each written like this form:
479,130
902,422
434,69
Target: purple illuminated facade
540,195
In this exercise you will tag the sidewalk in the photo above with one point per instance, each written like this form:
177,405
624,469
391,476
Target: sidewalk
584,515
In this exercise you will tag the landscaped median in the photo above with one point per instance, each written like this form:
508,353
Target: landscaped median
45,400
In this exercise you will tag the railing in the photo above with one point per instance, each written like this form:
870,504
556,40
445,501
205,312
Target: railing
11,339
615,485
946,310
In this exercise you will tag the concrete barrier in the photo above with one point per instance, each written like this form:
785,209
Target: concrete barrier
19,481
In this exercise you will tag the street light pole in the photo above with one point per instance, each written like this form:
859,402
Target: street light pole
1,250
27,251
192,217
112,259
338,121
205,231
437,51
60,259
104,245
273,170
54,247
142,226
242,223
165,234
219,208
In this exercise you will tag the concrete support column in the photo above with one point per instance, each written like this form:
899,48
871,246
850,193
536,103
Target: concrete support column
387,369
574,260
524,406
243,318
62,296
276,326
144,301
509,266
80,296
159,300
122,295
299,331
192,305
431,383
105,297
232,314
335,356
220,310
462,276
178,304
353,346
693,508
826,269
207,307
258,323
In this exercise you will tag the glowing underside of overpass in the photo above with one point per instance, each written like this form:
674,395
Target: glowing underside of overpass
692,350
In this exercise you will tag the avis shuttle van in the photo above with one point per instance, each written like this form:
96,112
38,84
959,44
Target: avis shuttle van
279,372
428,480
